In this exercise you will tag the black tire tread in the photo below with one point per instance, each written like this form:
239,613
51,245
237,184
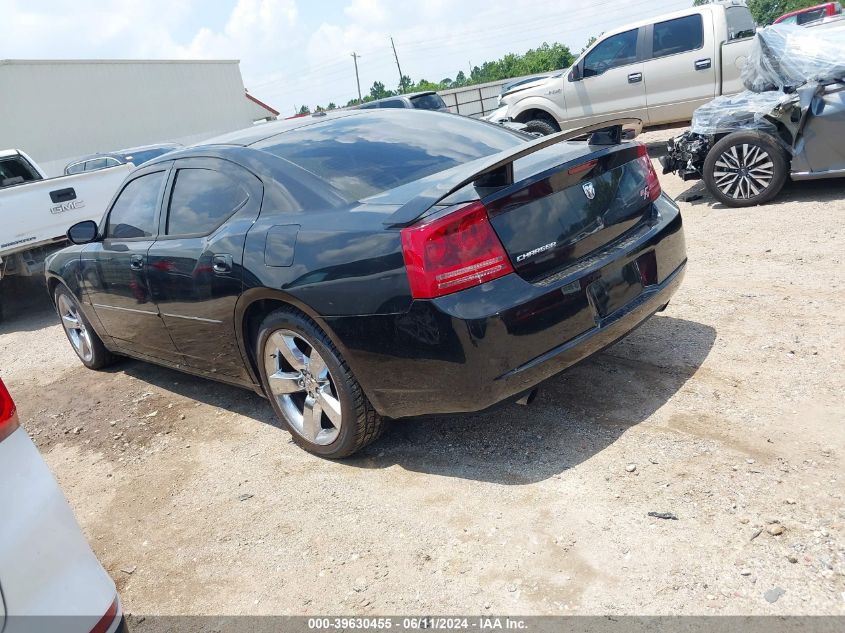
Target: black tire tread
369,425
540,126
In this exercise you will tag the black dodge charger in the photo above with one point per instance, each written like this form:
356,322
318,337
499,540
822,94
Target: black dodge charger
369,265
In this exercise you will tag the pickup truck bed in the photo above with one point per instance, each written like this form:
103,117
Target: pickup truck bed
35,216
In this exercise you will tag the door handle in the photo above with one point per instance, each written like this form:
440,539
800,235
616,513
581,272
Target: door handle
136,262
635,78
221,264
702,64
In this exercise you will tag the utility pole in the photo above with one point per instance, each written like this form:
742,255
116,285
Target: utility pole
397,63
355,57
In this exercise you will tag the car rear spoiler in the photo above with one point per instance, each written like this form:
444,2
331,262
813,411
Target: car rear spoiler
497,170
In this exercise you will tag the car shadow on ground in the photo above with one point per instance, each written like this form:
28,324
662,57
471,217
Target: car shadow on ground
829,190
26,306
576,415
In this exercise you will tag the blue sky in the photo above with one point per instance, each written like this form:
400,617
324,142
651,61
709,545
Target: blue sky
295,51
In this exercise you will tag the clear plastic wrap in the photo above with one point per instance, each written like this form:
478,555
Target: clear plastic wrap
785,56
746,110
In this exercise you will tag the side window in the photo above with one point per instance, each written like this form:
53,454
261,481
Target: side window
792,19
617,50
97,163
112,162
76,168
393,103
134,211
369,106
741,23
678,36
201,200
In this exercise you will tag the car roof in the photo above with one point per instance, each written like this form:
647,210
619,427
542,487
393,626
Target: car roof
263,131
119,153
669,16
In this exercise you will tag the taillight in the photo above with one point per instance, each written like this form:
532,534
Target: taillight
457,251
8,414
104,624
652,183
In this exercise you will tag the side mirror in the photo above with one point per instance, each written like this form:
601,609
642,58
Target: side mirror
83,232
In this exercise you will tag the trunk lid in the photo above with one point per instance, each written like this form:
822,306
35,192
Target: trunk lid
559,213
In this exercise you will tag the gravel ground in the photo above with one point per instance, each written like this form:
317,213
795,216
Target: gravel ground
726,411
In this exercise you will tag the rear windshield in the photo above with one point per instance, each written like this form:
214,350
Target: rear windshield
370,152
15,170
428,102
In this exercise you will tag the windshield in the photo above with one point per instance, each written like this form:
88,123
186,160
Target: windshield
372,152
428,102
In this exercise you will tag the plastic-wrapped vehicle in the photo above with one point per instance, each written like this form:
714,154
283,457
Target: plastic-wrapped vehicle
789,123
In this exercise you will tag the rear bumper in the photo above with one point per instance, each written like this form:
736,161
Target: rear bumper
48,573
468,351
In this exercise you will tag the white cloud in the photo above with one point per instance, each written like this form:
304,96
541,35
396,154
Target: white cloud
366,12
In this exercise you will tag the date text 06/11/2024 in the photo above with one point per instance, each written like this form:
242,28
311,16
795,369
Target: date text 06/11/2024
424,623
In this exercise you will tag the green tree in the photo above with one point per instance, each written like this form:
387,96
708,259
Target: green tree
378,91
305,110
331,106
460,80
593,39
766,11
405,84
698,3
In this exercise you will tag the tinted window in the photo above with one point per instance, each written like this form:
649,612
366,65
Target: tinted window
792,19
369,106
678,36
740,23
75,168
201,200
371,152
812,15
428,102
15,170
97,163
616,50
134,211
392,103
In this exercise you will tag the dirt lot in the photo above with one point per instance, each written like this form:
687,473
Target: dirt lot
726,410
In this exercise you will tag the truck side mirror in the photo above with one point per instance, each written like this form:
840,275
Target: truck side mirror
83,232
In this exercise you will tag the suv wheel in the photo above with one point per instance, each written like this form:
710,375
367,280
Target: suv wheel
311,388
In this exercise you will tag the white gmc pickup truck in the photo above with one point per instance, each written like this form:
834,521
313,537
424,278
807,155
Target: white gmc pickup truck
658,70
36,211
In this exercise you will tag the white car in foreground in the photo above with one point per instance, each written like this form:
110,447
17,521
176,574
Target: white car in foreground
50,579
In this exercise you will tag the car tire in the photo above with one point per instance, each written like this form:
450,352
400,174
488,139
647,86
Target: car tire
760,155
83,339
311,388
540,126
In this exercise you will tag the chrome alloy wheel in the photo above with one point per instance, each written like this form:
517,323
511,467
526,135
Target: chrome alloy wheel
743,171
75,328
303,386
